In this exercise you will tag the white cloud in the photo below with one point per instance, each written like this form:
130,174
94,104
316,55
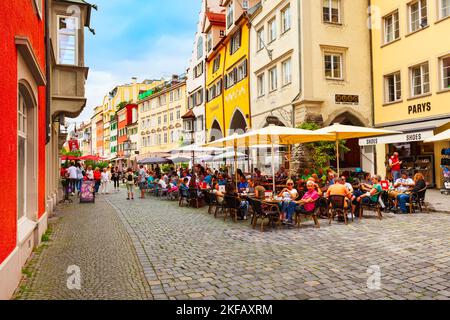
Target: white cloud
156,58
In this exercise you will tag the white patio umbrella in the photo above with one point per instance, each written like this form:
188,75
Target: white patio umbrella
229,155
271,135
179,159
443,136
195,148
343,132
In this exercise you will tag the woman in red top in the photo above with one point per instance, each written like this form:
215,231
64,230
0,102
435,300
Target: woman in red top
97,177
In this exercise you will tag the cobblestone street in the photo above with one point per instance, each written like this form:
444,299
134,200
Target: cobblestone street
187,254
91,237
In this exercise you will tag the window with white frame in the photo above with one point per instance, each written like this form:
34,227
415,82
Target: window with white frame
417,15
165,118
216,63
235,43
162,100
178,114
273,82
22,131
333,66
420,79
391,27
38,7
331,11
230,14
200,48
393,87
198,70
445,72
285,19
171,116
286,70
67,40
242,70
261,85
272,30
209,44
444,8
260,39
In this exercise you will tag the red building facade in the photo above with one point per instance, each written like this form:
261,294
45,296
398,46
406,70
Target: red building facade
22,154
125,117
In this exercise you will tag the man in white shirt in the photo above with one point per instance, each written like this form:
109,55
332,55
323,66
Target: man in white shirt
72,173
401,185
347,185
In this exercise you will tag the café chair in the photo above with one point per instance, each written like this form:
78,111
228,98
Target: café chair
232,207
417,201
263,211
194,198
313,214
184,197
372,206
338,208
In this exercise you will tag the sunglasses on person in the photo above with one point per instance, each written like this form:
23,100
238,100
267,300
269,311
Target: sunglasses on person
290,184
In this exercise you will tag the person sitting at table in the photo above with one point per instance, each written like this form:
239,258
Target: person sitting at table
185,185
222,180
208,177
219,195
339,189
260,191
251,185
314,178
288,206
366,183
347,184
305,176
242,184
370,196
281,174
257,175
307,204
151,181
419,184
402,185
230,190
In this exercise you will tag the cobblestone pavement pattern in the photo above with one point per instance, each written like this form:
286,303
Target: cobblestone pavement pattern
92,237
187,254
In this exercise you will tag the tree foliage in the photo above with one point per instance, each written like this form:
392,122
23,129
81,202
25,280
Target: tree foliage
322,152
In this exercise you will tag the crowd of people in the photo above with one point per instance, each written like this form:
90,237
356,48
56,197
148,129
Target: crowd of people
299,195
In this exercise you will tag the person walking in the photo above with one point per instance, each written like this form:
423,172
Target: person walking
79,177
104,181
142,180
115,176
72,172
129,180
395,165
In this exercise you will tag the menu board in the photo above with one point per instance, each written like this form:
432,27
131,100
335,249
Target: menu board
87,194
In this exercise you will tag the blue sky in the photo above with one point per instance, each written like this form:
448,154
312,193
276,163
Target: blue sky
148,39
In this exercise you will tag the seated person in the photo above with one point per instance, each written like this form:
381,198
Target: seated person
162,183
316,184
402,185
230,190
372,195
281,174
185,185
208,178
150,181
242,184
251,186
219,195
305,176
366,183
288,206
419,184
347,185
307,204
259,190
339,189
222,180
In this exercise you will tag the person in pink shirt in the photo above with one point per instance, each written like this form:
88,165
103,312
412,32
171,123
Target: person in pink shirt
308,203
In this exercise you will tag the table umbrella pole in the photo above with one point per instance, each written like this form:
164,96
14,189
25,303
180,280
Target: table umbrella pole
235,164
273,168
337,155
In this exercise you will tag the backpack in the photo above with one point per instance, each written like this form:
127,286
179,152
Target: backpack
130,177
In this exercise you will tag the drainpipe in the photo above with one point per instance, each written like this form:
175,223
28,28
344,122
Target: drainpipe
47,72
373,81
300,61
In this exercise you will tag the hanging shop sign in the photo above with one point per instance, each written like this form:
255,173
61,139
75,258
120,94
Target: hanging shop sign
73,145
346,99
397,138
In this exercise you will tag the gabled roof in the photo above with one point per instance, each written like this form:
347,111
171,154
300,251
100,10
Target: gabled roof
189,115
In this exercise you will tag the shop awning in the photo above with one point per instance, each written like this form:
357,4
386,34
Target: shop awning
413,132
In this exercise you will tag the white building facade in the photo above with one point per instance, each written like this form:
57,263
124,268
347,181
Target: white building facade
196,77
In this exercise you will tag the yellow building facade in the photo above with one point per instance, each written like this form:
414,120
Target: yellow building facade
227,84
411,81
160,124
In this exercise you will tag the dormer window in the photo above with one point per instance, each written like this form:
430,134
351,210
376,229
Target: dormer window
67,40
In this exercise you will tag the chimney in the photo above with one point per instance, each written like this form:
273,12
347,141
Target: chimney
134,80
175,78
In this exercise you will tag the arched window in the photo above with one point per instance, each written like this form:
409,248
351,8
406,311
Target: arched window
26,153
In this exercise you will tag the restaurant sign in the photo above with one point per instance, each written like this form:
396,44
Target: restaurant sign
397,138
347,99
